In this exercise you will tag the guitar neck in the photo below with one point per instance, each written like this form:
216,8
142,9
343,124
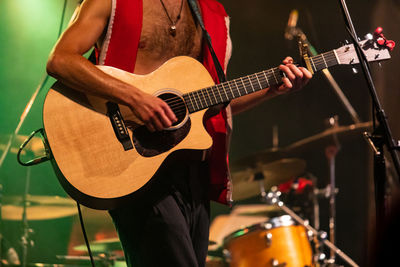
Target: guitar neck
224,92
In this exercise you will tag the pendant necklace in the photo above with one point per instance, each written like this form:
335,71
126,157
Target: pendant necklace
172,28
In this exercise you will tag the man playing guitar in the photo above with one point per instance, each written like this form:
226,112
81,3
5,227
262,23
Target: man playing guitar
169,225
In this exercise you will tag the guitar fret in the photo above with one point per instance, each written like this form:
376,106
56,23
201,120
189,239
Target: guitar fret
311,59
204,96
322,55
237,87
201,105
244,86
266,78
209,95
258,81
251,83
213,93
189,103
223,88
207,98
225,91
336,56
273,72
195,100
219,93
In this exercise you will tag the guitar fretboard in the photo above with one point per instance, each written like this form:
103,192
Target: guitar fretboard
224,92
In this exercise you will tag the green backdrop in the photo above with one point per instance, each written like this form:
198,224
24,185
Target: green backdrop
29,29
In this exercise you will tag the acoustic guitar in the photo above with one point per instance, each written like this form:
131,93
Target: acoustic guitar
103,154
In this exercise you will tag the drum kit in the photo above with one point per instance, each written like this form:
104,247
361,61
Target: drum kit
270,233
264,233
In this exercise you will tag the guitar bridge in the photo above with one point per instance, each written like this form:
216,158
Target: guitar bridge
117,122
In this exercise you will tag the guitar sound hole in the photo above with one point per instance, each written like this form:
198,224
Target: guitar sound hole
149,144
177,105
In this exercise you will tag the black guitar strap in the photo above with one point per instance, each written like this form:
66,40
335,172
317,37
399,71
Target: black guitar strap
195,9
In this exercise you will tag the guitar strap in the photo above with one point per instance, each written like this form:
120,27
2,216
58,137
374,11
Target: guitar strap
195,9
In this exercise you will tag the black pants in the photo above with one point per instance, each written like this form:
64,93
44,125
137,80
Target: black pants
170,225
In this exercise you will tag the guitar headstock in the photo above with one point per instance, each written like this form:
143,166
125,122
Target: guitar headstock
375,47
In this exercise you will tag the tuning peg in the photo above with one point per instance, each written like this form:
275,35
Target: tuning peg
346,42
378,31
355,71
379,64
390,44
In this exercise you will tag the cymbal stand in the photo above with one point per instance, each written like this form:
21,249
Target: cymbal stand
330,153
25,238
272,198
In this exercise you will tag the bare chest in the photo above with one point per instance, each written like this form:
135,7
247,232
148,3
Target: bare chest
157,43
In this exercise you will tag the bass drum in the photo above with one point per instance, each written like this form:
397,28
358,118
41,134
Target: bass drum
277,242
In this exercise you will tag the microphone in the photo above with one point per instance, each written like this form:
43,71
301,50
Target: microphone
290,29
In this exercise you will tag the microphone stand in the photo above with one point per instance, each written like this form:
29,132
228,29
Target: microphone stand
382,135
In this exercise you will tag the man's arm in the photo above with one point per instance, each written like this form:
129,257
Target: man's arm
296,78
67,64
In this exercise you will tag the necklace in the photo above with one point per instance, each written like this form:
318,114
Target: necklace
172,27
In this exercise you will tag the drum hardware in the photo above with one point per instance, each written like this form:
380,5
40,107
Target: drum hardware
328,139
263,175
26,240
275,263
268,239
330,153
110,244
104,259
273,198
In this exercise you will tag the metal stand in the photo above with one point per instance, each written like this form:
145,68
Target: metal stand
382,136
330,153
25,238
272,198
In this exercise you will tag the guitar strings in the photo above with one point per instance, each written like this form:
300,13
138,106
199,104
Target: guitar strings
239,86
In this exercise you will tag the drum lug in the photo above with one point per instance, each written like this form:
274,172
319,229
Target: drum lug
275,263
268,239
227,255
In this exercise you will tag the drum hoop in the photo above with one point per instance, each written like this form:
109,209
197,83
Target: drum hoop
276,222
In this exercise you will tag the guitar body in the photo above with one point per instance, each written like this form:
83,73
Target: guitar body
90,161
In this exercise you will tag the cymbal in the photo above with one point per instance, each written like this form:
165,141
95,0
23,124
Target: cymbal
38,207
323,138
253,160
246,182
104,245
255,210
35,145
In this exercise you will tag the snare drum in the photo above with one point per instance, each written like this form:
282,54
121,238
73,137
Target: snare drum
277,242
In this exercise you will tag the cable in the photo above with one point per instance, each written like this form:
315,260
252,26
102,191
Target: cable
77,203
84,234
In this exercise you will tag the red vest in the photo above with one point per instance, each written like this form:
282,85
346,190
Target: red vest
120,48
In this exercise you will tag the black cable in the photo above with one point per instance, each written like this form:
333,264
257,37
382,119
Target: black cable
84,234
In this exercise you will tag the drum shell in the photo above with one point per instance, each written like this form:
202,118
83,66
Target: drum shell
266,244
